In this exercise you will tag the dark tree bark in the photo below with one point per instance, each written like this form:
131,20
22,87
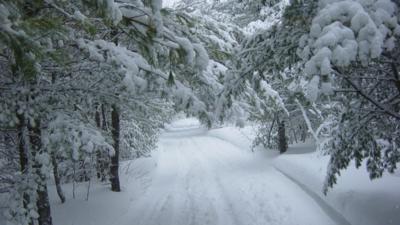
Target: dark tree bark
115,131
42,203
104,118
303,134
23,156
57,178
282,139
97,118
270,131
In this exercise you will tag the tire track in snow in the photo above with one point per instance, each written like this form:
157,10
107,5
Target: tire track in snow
227,157
219,190
156,206
254,179
198,199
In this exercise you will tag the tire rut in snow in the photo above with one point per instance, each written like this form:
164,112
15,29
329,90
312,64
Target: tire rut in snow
197,204
338,218
219,188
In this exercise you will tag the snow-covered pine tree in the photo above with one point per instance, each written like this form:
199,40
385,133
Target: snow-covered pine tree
348,55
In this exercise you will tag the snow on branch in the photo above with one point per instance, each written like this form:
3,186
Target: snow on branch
270,92
307,120
346,31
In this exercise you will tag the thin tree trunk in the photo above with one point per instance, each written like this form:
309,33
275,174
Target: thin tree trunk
74,178
270,132
88,191
86,174
303,134
115,131
282,139
42,203
57,178
104,118
23,158
98,153
89,184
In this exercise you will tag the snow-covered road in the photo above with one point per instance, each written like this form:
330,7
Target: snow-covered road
201,180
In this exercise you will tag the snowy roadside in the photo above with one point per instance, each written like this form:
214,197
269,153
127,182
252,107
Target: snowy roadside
358,199
103,206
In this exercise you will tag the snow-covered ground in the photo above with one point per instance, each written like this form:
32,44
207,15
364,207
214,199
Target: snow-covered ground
355,199
355,196
211,177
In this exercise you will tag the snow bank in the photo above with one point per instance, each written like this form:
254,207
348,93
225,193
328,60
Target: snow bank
360,200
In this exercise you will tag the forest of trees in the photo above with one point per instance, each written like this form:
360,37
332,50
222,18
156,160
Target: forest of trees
87,83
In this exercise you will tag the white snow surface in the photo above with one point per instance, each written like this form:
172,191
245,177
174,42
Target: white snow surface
200,176
360,200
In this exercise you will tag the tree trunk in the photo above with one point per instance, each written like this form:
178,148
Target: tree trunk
105,162
115,131
98,153
57,178
42,203
23,157
282,139
115,158
303,133
270,132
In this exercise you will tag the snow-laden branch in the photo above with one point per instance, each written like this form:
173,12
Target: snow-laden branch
307,120
367,96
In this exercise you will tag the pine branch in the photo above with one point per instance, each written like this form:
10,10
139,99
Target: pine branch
366,96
